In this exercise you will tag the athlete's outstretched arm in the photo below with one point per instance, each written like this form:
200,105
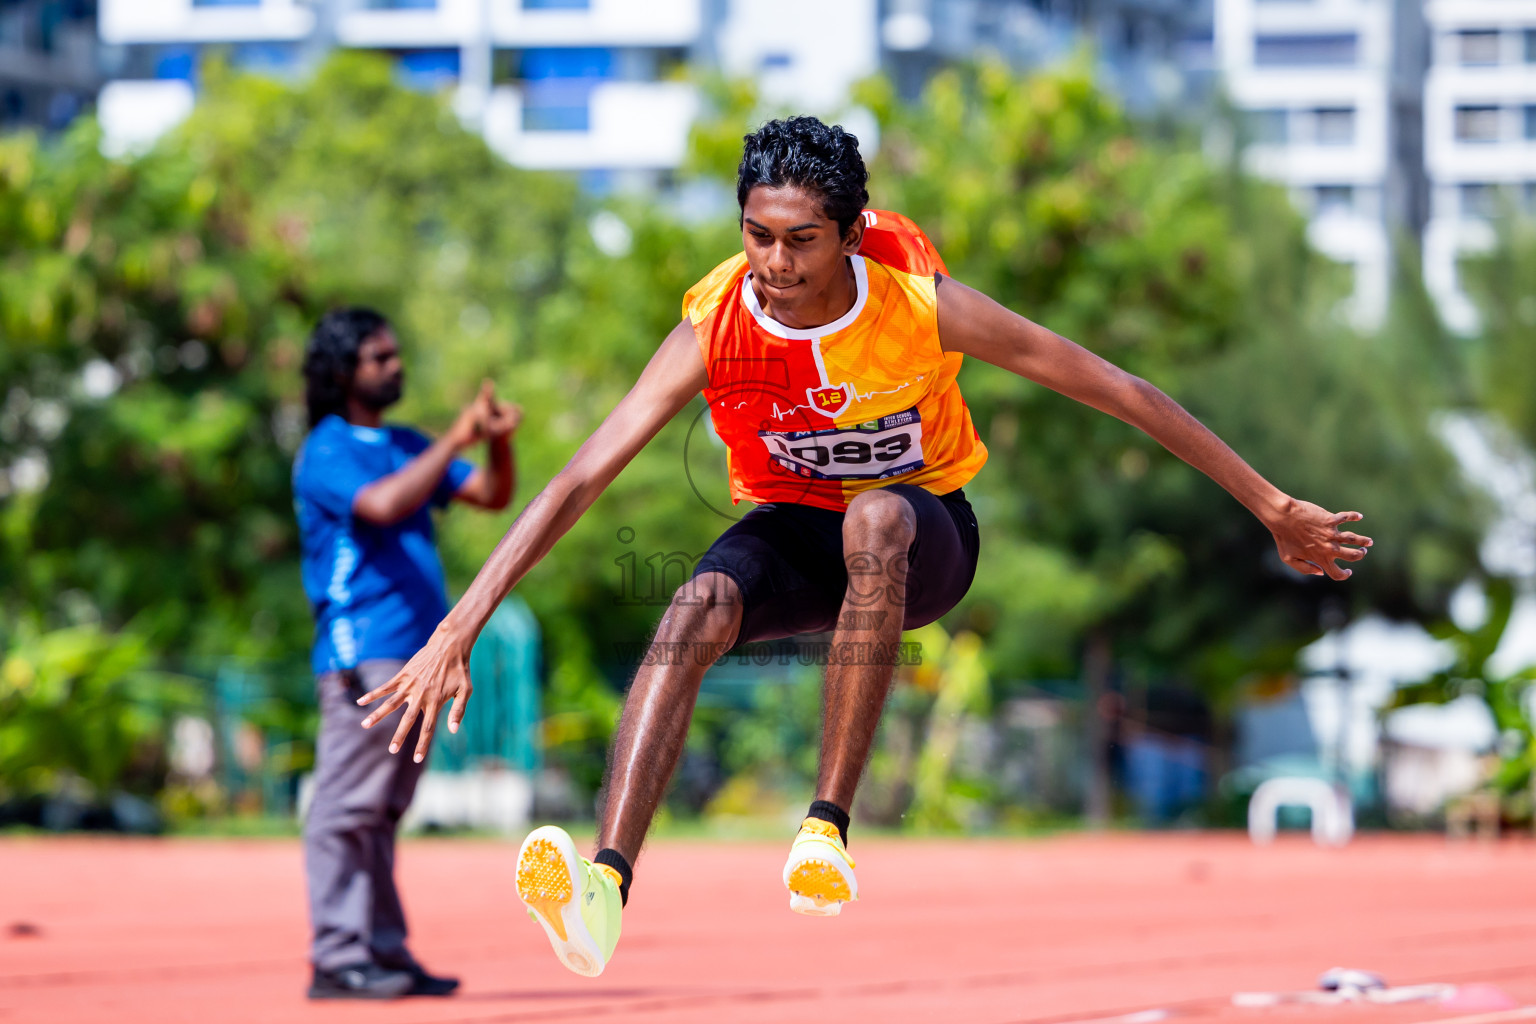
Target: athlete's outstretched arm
1309,538
440,671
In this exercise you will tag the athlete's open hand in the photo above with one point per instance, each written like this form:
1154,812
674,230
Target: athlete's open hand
1310,538
439,672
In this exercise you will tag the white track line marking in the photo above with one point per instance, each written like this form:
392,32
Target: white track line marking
1522,1013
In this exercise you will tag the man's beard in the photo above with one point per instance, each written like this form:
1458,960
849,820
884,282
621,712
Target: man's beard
380,397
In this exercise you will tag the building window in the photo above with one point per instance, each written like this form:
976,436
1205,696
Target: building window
556,5
1530,46
1334,200
1478,48
428,70
554,105
226,3
1530,122
1334,50
1196,52
176,62
1477,124
1335,126
589,63
1480,201
402,5
276,59
558,84
1270,127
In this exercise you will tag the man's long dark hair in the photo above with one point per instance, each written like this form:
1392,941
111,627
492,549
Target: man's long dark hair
330,359
804,152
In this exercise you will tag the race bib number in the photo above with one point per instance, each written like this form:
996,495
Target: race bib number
875,450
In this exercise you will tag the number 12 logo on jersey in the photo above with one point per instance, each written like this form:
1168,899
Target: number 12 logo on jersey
828,400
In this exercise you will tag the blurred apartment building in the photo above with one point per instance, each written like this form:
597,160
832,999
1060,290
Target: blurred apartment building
1479,133
1390,120
1153,54
49,69
594,86
1332,90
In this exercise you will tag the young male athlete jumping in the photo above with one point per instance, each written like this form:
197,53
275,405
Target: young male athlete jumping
827,351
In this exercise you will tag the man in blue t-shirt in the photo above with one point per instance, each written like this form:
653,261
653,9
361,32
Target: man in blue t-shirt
363,493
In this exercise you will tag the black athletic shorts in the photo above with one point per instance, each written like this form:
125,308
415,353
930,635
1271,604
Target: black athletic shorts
788,562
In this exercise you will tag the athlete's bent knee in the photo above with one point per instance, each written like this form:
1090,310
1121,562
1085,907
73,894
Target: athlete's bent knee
880,519
707,590
706,605
700,622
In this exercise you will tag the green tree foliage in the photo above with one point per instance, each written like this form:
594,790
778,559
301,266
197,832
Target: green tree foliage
1504,358
154,312
85,702
1469,674
190,278
1498,366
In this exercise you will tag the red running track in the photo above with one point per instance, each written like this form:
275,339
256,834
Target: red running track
979,931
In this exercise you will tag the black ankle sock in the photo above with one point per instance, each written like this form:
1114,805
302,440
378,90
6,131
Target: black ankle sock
615,860
826,810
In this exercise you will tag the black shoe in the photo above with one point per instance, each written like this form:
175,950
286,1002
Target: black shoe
424,984
360,981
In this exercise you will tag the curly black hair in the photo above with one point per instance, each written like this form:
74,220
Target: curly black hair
330,359
804,152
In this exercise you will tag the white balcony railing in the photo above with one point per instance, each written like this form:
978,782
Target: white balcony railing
135,114
600,23
628,126
1446,240
1475,13
182,21
1313,164
674,23
1475,124
449,23
1360,241
670,23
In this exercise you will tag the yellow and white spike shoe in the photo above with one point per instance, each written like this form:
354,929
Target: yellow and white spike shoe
819,872
575,901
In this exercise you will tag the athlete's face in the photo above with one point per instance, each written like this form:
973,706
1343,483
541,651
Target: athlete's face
380,377
796,253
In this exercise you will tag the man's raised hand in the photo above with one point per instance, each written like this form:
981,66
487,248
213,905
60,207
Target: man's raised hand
439,672
470,425
501,418
1310,538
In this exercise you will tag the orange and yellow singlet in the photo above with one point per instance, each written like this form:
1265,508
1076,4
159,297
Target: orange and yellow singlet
816,416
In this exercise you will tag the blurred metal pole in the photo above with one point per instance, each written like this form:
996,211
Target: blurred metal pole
322,40
476,70
1097,803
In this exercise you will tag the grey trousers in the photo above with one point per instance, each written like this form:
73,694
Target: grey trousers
361,790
